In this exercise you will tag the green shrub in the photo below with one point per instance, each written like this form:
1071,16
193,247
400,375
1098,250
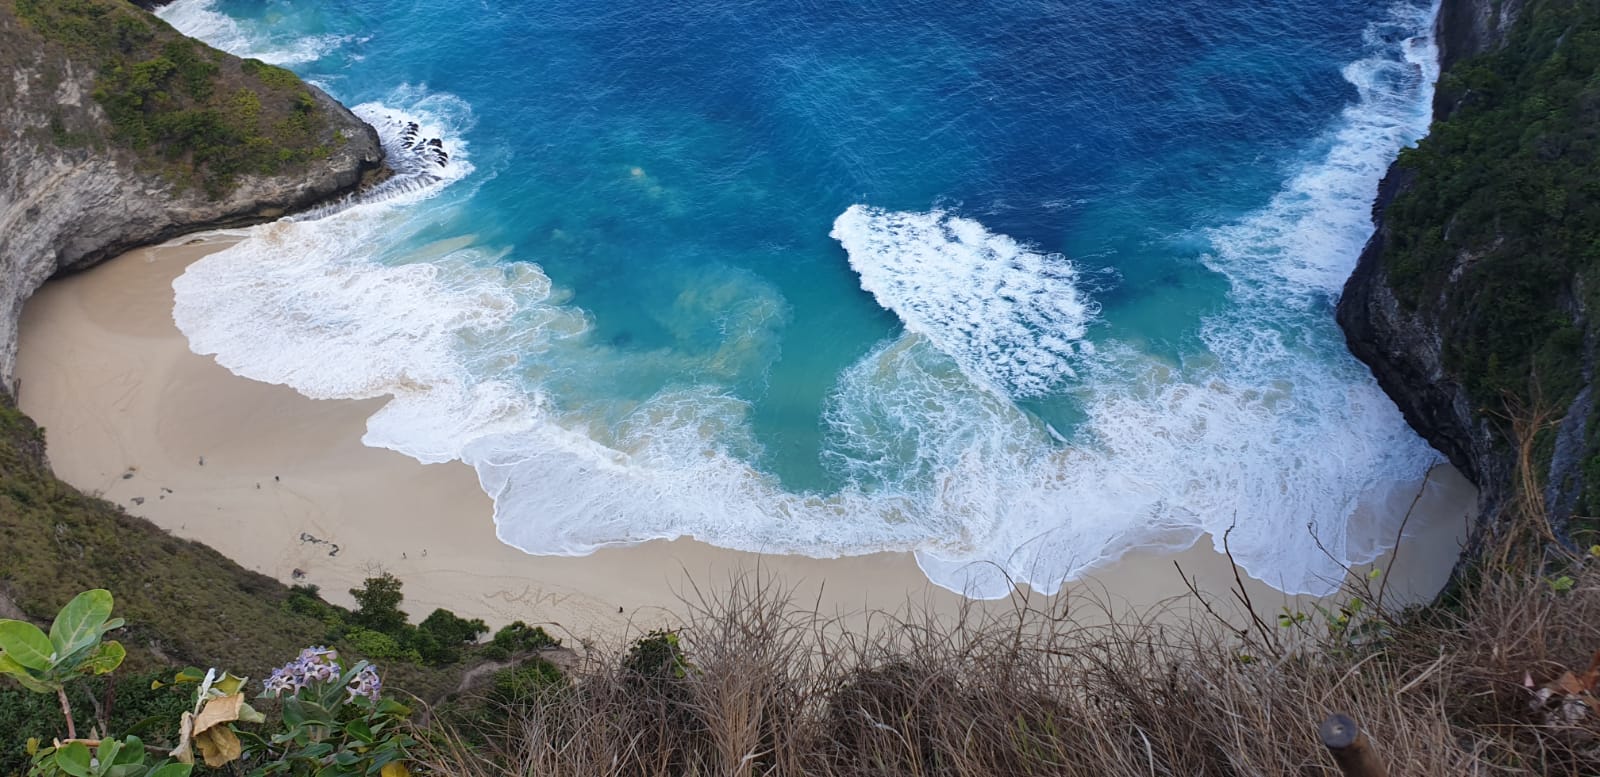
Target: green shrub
531,681
129,702
516,638
378,645
1501,226
203,118
440,637
657,656
378,605
56,665
270,75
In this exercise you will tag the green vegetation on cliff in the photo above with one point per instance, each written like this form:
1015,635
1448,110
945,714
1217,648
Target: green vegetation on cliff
185,603
203,117
1501,226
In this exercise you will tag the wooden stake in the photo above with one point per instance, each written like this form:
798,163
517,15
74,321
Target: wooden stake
1350,748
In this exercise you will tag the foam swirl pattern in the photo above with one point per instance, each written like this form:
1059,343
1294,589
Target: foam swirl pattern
609,284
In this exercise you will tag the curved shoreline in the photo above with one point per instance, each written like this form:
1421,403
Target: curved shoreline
286,486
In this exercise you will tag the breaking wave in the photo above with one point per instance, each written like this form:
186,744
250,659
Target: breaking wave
200,19
1273,426
1012,317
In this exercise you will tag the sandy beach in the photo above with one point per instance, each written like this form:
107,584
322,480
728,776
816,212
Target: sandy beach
283,485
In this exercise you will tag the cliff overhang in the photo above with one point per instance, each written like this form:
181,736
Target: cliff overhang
118,132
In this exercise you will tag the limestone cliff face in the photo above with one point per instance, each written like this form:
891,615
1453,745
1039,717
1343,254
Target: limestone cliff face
1405,350
1470,27
69,198
1408,340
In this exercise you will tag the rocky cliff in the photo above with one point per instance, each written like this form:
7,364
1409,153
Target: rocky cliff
1468,28
1470,304
116,132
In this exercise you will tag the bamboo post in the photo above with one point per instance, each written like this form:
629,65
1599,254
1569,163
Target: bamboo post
1350,748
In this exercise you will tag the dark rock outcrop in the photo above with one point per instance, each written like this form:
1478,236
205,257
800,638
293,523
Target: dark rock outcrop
68,202
1467,28
1405,350
1407,345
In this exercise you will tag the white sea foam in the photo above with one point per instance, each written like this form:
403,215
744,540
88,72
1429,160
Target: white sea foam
200,19
1274,433
309,304
1012,317
1281,440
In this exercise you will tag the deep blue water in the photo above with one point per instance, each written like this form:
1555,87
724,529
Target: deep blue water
1077,299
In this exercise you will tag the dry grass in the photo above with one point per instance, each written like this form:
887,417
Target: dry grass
774,689
770,687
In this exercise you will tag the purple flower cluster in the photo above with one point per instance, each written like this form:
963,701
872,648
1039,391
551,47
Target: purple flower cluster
365,683
320,665
313,665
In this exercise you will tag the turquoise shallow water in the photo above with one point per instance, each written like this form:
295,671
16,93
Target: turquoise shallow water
1017,286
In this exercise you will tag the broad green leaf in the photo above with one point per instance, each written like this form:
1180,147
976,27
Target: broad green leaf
81,622
381,758
71,662
172,770
248,714
294,713
359,730
22,675
107,658
314,712
392,707
132,753
106,753
26,645
74,759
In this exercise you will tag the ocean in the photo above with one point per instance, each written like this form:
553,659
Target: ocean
1017,286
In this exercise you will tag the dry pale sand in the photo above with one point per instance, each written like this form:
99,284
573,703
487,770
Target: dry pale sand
283,485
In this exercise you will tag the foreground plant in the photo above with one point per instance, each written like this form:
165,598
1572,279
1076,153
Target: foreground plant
76,648
219,701
335,721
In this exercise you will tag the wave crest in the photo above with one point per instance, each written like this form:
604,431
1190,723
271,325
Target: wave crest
1011,317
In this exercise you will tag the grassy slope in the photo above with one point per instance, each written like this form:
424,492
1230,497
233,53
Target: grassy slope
184,602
